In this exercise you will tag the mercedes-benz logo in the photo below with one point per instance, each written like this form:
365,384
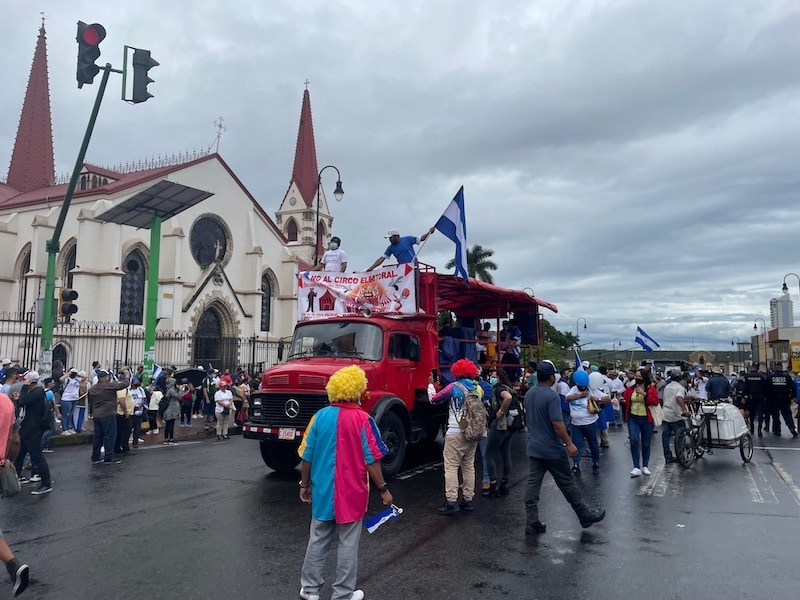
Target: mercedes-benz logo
291,408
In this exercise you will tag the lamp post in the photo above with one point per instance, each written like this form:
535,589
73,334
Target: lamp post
614,344
338,193
577,323
764,336
738,345
785,288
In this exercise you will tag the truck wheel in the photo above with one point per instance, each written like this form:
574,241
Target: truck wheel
394,436
279,456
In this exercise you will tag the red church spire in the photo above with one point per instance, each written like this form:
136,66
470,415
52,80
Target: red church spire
32,163
305,173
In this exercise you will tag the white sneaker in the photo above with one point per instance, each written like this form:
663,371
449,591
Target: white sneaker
357,595
155,432
308,595
636,472
645,470
36,478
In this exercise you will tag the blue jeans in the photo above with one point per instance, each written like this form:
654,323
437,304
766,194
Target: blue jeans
105,434
640,433
589,433
667,431
46,438
67,408
482,448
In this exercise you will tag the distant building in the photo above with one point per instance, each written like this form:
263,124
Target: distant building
781,312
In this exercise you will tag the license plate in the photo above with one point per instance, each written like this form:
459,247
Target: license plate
286,433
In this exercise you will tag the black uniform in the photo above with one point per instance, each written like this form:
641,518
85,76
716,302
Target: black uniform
32,401
780,392
755,392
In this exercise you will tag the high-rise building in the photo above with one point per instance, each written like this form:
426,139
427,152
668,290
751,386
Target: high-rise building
781,313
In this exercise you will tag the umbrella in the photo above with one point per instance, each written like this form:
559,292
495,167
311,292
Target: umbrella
195,376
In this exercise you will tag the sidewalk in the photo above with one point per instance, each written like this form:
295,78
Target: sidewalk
196,431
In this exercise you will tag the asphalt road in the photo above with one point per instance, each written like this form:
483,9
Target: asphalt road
207,519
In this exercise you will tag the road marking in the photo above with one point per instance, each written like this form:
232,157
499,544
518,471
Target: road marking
787,479
419,470
775,448
670,482
163,446
763,490
650,481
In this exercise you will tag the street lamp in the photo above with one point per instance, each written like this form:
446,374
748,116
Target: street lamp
764,336
577,323
338,193
738,345
614,344
785,288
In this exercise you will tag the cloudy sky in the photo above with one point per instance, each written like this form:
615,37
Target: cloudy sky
634,162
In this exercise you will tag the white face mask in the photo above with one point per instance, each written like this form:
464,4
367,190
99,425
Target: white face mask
334,246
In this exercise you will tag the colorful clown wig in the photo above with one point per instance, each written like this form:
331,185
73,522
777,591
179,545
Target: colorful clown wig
464,369
347,384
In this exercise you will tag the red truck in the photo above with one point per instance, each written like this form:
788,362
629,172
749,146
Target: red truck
398,354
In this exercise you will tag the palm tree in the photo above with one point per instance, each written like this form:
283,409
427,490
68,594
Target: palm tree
478,263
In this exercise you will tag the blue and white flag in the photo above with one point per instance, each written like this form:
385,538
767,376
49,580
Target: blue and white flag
644,340
577,359
157,372
453,224
372,523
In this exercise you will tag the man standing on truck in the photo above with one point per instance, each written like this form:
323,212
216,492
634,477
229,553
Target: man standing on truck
334,260
341,446
402,248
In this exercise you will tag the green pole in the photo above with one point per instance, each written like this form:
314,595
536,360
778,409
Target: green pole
53,245
151,316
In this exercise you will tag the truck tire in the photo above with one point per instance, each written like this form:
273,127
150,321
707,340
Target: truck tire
394,436
280,456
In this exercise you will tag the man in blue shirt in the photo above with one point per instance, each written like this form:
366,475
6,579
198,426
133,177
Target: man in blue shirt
548,447
402,248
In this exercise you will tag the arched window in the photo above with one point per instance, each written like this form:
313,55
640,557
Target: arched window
131,302
266,302
25,266
291,230
69,263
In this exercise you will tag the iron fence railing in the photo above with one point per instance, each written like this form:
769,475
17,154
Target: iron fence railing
79,343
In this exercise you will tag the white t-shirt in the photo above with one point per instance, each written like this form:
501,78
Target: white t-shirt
578,409
672,411
562,388
333,260
700,388
71,389
155,397
224,396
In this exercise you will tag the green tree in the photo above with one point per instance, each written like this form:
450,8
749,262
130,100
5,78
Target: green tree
561,339
478,263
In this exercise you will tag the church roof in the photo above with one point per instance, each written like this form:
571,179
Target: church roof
304,173
32,162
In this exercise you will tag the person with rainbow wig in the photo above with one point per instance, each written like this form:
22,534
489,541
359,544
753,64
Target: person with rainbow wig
340,447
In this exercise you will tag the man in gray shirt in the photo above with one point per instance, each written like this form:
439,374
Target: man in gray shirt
548,447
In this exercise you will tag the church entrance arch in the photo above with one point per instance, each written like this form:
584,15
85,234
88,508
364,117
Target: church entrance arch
213,345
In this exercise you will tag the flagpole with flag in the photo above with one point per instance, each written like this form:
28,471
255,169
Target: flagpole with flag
645,341
453,225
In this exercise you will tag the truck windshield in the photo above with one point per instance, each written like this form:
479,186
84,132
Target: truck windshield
361,340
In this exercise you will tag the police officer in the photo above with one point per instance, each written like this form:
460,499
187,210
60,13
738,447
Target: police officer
780,390
755,393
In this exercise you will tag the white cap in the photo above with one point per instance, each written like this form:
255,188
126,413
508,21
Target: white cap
585,364
32,376
392,232
6,361
82,373
73,370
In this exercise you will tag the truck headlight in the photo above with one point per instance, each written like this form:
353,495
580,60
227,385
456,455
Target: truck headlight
256,413
257,402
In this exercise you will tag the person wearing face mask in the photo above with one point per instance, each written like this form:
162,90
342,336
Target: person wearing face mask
638,400
334,260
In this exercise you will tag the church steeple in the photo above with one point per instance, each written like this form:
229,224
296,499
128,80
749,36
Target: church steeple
304,173
32,163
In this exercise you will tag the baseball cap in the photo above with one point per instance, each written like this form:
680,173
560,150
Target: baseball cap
6,361
102,373
73,370
82,373
585,364
545,369
392,232
32,376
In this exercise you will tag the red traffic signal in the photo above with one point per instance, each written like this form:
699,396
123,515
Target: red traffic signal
88,38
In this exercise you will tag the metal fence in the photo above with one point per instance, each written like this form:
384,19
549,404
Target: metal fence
114,345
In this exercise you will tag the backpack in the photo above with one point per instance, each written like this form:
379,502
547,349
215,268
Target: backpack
162,406
473,415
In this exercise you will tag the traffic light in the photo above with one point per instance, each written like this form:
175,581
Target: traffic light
66,299
89,38
142,63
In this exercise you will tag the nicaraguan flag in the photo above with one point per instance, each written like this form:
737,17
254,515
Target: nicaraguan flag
157,372
453,224
644,340
577,359
372,523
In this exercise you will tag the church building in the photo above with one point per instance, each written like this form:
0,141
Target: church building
227,269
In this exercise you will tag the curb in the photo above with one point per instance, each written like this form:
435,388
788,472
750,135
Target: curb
62,441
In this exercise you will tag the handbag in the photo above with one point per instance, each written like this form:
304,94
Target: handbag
658,415
9,482
592,406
